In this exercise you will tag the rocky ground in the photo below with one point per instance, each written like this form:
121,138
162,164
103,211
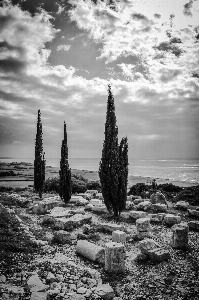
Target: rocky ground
33,265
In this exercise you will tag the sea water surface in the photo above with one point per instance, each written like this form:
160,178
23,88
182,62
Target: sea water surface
172,169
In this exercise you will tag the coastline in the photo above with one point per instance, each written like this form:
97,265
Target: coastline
21,175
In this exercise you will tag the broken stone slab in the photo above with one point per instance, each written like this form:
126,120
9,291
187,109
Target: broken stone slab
35,284
57,212
73,222
193,225
110,227
88,207
95,202
143,224
170,219
159,254
104,291
99,196
193,213
62,237
38,296
143,234
42,207
91,251
158,207
115,257
182,205
134,214
100,209
119,236
129,205
145,205
156,218
158,197
180,238
136,201
147,245
78,200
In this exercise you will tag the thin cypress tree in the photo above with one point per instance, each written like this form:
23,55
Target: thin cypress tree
123,173
65,188
39,162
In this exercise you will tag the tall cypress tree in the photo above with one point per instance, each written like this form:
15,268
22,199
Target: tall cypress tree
39,162
113,169
65,172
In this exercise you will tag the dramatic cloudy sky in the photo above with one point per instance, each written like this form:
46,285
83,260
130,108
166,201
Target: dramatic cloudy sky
59,56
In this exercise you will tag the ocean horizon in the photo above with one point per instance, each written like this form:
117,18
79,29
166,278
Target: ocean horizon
186,170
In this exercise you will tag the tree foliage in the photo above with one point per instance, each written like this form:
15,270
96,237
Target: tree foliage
113,169
65,172
39,162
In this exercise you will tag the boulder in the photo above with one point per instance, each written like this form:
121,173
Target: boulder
43,206
182,205
158,207
88,207
62,237
119,236
92,192
99,196
147,245
158,198
57,212
156,218
193,225
100,209
143,224
86,196
145,205
90,251
110,227
73,222
95,202
104,291
179,237
134,214
171,220
129,204
159,254
78,200
35,284
138,200
193,213
38,296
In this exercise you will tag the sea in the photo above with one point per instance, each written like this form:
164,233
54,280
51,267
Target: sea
172,169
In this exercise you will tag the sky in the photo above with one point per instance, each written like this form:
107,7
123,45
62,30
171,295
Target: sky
59,57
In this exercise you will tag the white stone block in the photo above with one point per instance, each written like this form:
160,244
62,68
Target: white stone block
114,257
180,238
119,236
90,251
134,214
143,224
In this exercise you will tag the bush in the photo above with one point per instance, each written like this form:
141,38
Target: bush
94,185
51,185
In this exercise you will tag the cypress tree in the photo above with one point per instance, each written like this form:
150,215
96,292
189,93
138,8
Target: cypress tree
39,162
113,168
65,188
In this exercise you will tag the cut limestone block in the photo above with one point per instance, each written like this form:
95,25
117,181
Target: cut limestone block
156,218
104,291
88,207
90,251
114,257
99,196
159,254
62,237
35,284
158,207
145,205
119,236
193,213
125,215
180,237
147,244
57,212
171,220
182,205
100,209
129,204
193,225
143,224
95,202
137,201
158,197
134,214
110,227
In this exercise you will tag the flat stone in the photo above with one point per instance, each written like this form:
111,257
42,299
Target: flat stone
62,237
57,212
147,245
145,205
159,254
100,208
81,290
110,227
105,291
143,224
182,205
193,212
95,202
193,225
170,219
35,284
134,214
73,222
38,296
158,207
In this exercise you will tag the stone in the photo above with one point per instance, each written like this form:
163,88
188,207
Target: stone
114,257
81,290
159,254
158,207
143,234
105,291
129,198
90,251
50,278
141,257
170,219
100,208
35,284
143,224
193,225
119,236
78,200
182,205
193,213
99,196
110,227
146,245
38,296
86,196
73,222
95,202
2,279
57,212
88,207
137,201
134,214
62,237
125,215
92,192
129,204
158,198
42,207
180,237
156,218
145,205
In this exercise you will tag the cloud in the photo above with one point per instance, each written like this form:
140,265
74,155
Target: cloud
63,47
